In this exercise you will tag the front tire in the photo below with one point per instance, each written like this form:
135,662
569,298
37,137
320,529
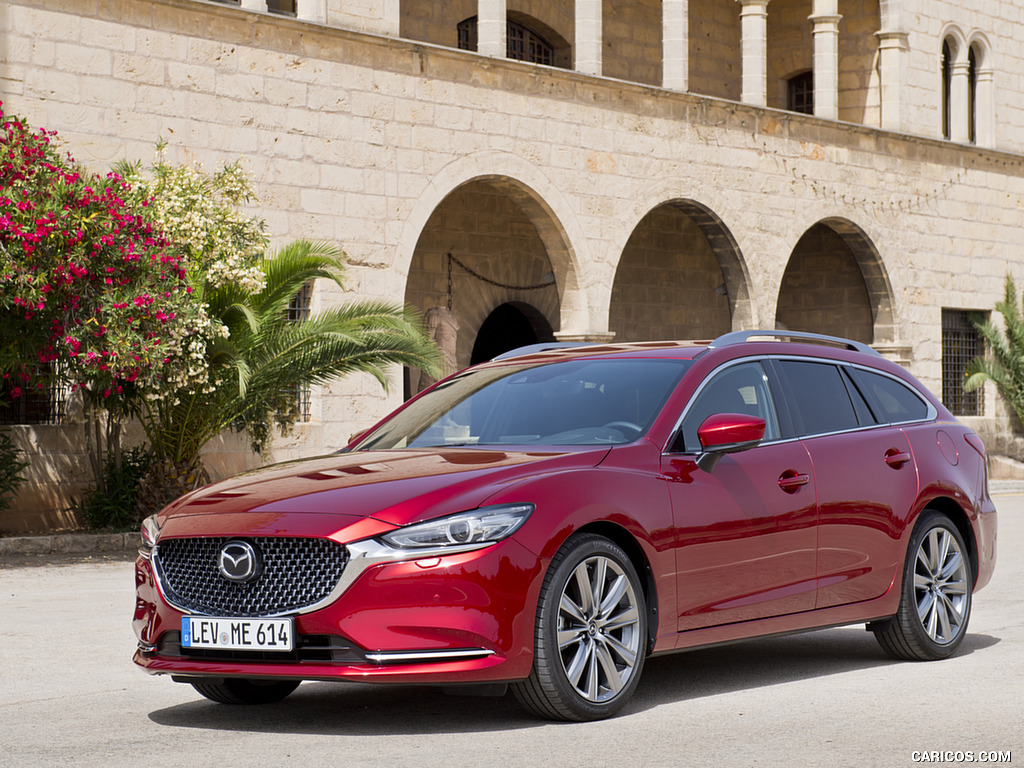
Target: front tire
232,690
935,604
591,634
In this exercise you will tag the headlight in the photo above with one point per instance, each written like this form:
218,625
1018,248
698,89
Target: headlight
150,533
478,526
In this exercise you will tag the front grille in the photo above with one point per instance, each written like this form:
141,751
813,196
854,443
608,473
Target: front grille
296,574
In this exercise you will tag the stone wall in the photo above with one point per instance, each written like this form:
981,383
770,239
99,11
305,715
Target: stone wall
360,140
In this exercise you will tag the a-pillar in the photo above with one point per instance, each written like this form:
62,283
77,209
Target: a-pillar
675,44
754,51
825,19
588,36
893,50
491,28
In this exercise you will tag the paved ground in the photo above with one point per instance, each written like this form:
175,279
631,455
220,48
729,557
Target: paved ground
69,695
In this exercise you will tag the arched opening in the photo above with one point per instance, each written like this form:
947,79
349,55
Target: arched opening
835,284
511,325
481,274
679,277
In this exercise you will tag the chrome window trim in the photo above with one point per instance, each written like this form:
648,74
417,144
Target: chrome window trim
931,415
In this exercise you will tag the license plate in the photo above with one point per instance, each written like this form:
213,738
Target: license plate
227,634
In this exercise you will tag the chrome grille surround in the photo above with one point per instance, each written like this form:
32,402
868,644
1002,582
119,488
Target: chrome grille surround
298,575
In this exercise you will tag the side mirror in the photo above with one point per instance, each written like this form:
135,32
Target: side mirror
723,433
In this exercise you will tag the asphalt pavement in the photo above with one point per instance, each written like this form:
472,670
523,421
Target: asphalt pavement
70,696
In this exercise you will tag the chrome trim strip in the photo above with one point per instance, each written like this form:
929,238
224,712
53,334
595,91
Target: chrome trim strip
448,654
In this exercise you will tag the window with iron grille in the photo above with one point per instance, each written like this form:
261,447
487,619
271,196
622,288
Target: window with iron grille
521,43
961,343
800,93
298,311
34,405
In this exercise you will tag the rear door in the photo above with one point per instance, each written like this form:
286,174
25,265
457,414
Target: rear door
865,477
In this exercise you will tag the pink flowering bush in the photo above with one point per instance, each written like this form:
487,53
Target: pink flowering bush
90,290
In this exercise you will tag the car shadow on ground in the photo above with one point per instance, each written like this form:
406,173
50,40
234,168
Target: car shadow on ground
369,710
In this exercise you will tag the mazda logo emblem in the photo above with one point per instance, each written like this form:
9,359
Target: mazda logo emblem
238,561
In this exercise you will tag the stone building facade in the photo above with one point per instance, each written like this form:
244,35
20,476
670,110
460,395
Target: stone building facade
575,169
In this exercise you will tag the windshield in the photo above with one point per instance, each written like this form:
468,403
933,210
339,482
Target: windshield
579,402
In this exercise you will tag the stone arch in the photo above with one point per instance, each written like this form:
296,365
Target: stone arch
836,283
546,208
679,275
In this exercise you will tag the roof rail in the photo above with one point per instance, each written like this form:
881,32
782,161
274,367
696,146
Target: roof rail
739,337
533,349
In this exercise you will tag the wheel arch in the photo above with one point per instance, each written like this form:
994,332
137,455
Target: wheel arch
952,509
624,539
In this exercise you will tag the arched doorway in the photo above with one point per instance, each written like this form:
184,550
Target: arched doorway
509,326
481,273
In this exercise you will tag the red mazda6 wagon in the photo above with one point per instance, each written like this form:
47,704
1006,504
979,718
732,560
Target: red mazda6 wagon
548,520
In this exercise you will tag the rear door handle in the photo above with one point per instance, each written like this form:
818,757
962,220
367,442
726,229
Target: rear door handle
790,481
896,459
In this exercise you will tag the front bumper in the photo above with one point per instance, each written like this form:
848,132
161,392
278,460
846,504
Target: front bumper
460,618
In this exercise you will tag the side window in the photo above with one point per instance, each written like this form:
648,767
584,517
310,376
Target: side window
899,403
739,388
820,398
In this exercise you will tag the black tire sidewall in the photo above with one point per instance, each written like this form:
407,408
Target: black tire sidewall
574,552
908,616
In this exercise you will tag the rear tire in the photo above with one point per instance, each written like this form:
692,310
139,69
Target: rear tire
935,604
590,638
232,690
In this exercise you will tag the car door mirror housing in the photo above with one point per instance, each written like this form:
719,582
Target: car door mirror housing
722,433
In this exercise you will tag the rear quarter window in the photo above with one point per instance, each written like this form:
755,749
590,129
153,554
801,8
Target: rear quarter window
898,402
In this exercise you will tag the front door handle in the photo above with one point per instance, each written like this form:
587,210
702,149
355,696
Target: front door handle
896,459
791,480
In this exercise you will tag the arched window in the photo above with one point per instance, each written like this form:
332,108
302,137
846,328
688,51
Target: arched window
947,87
800,93
522,43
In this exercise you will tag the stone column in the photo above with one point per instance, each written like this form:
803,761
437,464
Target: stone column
675,44
754,51
588,37
491,27
893,50
826,58
314,10
958,99
985,109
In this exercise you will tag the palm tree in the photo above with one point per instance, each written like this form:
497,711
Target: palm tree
1004,365
258,369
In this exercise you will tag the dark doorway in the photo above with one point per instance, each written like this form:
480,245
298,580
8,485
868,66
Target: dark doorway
509,326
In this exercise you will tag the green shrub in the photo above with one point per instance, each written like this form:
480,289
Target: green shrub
113,504
10,470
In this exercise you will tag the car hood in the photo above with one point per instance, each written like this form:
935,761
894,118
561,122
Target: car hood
395,487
